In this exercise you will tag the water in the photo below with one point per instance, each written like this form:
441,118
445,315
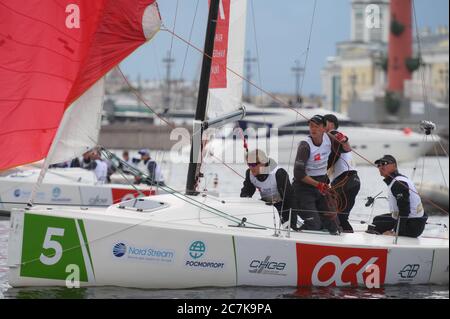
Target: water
230,184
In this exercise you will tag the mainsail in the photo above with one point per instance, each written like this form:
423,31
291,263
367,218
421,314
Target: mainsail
225,86
53,57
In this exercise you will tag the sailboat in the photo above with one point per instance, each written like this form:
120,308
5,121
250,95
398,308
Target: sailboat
195,239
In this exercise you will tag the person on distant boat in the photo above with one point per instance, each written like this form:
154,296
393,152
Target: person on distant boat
86,161
150,167
342,173
99,166
312,191
130,161
404,203
75,162
273,184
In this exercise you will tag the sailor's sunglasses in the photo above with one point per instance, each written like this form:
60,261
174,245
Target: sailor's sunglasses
383,164
252,164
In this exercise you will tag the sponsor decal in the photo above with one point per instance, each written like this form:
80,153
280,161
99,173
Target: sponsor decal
17,192
97,200
197,250
337,266
122,250
317,157
120,194
218,78
56,193
409,272
50,244
267,267
119,249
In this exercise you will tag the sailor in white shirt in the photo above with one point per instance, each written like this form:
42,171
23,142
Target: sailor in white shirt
99,166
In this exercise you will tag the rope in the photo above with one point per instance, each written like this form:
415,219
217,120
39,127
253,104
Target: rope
439,162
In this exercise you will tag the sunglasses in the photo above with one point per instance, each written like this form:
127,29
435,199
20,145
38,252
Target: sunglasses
383,164
252,164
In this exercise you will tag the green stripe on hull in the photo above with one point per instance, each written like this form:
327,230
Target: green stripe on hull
86,243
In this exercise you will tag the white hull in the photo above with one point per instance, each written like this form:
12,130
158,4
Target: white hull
174,245
69,187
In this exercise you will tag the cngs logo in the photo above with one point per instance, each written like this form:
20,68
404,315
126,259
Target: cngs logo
338,266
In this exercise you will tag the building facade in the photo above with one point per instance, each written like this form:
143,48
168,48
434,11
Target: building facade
358,70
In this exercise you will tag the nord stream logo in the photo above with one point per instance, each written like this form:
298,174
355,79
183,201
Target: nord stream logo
197,250
149,254
119,249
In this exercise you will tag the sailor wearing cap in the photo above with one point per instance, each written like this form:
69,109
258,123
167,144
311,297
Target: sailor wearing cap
151,168
273,184
342,173
311,180
404,202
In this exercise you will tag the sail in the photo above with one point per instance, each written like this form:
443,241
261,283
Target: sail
225,86
53,56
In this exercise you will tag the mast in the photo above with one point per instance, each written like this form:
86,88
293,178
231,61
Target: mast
200,113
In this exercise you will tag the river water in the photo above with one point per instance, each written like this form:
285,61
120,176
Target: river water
428,170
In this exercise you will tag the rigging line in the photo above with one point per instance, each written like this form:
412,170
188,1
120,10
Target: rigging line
417,161
439,162
150,108
422,71
258,64
121,172
269,94
174,25
164,28
301,89
142,99
187,46
423,167
442,147
208,208
211,209
168,79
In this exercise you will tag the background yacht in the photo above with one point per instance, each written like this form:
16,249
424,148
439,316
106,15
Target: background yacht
280,130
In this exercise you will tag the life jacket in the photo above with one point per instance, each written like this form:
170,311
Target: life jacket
343,164
318,158
143,166
101,171
415,203
268,188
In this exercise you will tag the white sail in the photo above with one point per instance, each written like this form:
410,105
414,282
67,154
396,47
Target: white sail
80,126
225,93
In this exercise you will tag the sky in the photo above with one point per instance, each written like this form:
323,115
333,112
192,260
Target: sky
280,35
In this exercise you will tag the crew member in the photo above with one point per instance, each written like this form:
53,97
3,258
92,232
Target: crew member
311,181
273,184
155,176
99,166
342,174
404,203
